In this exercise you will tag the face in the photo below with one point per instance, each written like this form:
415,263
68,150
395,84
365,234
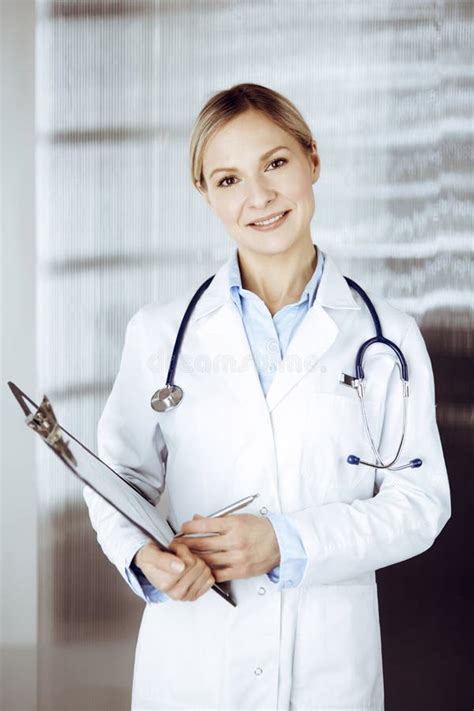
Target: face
254,169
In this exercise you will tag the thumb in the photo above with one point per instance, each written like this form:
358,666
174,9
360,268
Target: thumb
171,562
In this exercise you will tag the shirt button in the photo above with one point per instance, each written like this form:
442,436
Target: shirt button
261,591
271,368
323,369
289,584
258,671
264,510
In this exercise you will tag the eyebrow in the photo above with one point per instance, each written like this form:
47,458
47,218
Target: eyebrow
262,157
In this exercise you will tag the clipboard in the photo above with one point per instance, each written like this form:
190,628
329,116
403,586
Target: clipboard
120,493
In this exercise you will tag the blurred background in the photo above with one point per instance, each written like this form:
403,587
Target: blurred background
98,217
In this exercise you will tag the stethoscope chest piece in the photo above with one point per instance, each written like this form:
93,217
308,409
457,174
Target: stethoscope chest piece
166,398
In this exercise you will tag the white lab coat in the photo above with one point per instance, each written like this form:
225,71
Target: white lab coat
317,645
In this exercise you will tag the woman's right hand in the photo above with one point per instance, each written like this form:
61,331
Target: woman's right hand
163,571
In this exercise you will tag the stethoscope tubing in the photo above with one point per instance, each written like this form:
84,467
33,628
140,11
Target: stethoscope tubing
182,328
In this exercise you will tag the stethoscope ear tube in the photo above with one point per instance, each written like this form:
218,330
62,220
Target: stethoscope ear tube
413,463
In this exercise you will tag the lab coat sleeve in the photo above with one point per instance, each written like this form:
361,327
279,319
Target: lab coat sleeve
151,593
292,553
131,442
120,540
346,540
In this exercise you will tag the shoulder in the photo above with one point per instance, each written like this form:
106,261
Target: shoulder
160,312
344,297
396,323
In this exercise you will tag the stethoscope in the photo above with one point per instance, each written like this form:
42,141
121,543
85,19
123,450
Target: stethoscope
171,395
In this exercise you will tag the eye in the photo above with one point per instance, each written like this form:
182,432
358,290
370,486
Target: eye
275,160
222,183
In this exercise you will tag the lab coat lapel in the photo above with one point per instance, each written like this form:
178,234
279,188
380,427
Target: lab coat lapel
219,326
228,352
315,334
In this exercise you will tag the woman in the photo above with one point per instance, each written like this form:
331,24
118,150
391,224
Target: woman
264,412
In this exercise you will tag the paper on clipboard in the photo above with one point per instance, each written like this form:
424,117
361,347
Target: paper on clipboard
118,491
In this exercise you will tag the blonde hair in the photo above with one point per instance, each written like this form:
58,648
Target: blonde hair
229,103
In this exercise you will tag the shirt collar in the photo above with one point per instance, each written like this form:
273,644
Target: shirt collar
235,280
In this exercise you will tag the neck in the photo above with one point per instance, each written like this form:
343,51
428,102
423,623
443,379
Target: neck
278,279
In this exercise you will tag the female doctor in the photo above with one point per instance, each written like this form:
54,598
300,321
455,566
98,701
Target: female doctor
266,409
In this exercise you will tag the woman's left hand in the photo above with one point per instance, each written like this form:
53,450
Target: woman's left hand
245,547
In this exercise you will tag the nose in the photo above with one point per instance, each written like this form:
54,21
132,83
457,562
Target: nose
260,194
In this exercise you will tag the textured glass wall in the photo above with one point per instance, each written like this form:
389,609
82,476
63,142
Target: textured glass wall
386,87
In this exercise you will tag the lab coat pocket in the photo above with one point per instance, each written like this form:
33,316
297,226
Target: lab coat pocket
338,659
178,659
335,429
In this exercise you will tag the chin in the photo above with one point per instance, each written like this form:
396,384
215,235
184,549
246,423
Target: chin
271,244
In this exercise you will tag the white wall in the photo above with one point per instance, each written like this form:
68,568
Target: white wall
17,305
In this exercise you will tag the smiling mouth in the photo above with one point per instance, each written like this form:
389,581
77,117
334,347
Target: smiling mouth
271,221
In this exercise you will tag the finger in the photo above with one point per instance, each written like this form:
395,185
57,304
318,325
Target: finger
216,559
210,582
162,561
181,589
223,574
200,585
182,551
164,576
169,562
206,587
206,525
207,543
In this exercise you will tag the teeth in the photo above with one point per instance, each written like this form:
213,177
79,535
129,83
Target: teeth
269,222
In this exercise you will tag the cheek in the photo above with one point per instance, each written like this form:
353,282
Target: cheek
227,209
301,188
304,197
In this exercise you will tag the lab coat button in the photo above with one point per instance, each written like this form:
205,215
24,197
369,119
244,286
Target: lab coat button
261,591
264,510
258,671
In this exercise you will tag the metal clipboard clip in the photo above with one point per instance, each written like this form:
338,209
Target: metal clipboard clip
44,422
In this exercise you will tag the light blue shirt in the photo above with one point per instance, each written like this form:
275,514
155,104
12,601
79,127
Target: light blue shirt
268,337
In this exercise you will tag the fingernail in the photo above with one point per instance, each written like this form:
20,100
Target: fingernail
177,566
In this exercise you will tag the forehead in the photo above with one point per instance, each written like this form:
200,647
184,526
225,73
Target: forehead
246,136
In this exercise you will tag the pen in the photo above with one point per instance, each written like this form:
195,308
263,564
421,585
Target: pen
240,504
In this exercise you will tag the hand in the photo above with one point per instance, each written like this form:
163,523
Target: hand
246,545
183,576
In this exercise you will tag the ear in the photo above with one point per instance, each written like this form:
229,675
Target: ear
204,194
315,161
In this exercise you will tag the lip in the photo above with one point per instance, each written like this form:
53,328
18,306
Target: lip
284,214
